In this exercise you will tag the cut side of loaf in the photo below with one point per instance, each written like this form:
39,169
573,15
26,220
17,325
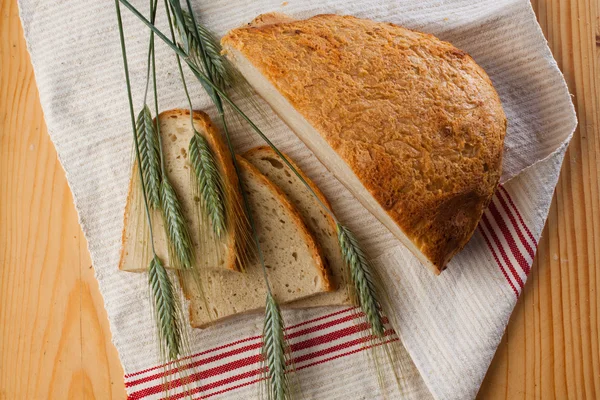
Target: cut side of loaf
320,224
210,251
295,266
411,125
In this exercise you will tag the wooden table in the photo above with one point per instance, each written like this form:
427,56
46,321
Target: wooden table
54,333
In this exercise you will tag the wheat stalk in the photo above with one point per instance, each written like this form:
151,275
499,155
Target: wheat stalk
149,159
181,253
274,344
274,352
209,182
165,308
164,299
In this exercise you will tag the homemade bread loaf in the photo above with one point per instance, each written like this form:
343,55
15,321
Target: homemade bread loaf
210,251
319,223
409,123
293,259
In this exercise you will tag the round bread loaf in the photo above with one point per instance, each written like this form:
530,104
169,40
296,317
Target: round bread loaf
409,123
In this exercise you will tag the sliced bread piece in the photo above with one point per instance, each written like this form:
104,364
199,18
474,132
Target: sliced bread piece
210,251
294,263
410,124
319,223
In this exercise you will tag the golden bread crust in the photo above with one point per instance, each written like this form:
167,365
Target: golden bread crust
416,119
126,212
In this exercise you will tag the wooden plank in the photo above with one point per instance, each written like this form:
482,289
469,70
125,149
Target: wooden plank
54,334
550,349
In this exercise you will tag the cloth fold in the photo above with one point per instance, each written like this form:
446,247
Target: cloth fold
450,326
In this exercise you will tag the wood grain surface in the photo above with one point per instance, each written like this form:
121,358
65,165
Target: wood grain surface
550,348
54,333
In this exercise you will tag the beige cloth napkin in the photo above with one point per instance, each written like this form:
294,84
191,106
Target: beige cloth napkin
450,325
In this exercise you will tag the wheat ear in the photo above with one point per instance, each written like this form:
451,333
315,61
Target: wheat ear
216,64
209,182
362,278
165,307
370,294
274,352
180,244
149,159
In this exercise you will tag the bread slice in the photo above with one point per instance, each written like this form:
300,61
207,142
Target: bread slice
408,123
211,252
319,223
294,263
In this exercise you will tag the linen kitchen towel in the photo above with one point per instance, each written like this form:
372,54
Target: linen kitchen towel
450,325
